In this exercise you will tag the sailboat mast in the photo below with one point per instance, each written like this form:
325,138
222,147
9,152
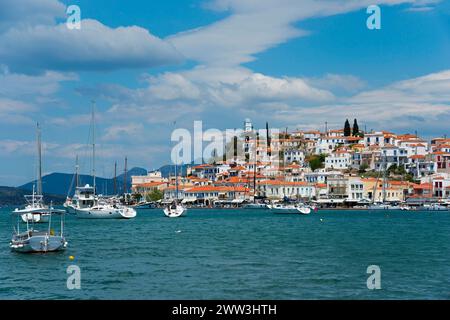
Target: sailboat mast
254,167
176,180
93,145
125,187
115,177
384,179
77,174
39,147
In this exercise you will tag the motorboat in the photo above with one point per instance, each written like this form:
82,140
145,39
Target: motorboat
86,204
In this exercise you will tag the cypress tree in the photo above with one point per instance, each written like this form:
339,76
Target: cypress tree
347,129
355,128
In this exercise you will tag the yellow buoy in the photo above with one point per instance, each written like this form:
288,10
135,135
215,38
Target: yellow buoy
71,257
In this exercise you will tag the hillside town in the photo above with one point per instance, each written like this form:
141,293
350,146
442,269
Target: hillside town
332,168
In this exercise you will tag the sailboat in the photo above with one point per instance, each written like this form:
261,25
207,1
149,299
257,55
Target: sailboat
86,204
35,210
254,205
175,209
285,208
384,205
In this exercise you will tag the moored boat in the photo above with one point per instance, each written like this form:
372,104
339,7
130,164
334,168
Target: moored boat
174,210
255,206
290,208
42,240
434,207
86,204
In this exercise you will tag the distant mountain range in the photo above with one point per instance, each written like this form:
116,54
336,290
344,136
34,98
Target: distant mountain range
56,185
60,183
10,196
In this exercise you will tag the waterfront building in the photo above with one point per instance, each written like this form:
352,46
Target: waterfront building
153,176
280,189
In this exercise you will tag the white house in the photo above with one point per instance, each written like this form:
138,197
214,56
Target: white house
338,160
294,155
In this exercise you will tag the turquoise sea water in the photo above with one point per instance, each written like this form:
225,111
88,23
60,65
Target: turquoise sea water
239,254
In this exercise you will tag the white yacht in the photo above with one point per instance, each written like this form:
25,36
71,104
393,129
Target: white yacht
86,204
290,208
35,210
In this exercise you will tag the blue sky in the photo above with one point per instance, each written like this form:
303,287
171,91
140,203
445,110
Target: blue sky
147,64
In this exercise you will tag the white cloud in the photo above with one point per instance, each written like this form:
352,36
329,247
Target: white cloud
25,13
119,132
229,88
93,47
15,112
432,88
20,85
420,103
9,147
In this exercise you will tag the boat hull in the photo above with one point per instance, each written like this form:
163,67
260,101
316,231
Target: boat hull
39,244
113,213
174,212
291,210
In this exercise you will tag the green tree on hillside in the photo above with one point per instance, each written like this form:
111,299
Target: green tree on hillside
355,131
347,129
316,161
